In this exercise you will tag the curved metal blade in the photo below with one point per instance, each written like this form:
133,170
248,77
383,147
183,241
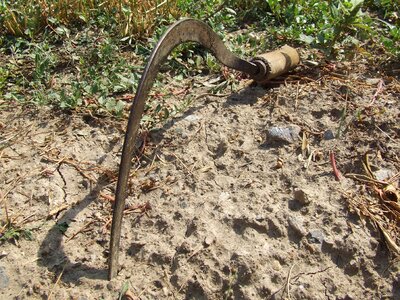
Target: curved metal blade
186,30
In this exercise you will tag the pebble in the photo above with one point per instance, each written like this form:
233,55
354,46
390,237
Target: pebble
316,236
4,280
372,81
296,225
383,174
209,240
112,286
353,263
348,297
276,265
224,196
329,135
180,132
289,134
192,118
165,291
301,196
184,248
328,242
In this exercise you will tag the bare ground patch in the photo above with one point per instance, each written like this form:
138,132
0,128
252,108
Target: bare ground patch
216,209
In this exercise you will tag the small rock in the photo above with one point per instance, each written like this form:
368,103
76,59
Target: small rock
276,265
328,135
224,196
182,203
112,286
82,132
178,130
209,240
246,144
302,197
181,132
29,291
289,134
316,236
353,263
192,118
372,81
328,242
36,288
165,291
383,174
347,297
184,248
4,280
296,225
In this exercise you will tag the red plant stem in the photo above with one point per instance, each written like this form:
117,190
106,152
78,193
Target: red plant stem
379,89
333,163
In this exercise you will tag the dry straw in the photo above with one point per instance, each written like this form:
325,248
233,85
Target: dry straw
136,18
380,204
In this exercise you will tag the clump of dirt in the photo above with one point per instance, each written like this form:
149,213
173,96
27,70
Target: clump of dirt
217,208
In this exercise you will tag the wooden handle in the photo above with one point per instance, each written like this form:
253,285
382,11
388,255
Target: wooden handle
277,62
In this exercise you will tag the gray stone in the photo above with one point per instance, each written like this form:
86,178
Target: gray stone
384,174
4,280
289,134
192,118
328,135
297,226
316,236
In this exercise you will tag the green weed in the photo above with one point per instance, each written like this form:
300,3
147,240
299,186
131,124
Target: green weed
123,290
12,230
4,73
14,234
44,60
89,54
62,227
328,25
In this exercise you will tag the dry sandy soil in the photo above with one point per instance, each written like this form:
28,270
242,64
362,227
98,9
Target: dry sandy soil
219,207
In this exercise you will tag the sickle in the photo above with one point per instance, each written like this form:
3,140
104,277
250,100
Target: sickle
261,69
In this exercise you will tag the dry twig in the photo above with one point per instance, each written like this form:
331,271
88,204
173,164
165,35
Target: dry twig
82,229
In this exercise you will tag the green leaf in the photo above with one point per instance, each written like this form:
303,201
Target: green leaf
62,227
123,290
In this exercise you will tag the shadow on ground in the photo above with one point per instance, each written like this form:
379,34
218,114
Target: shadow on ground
51,252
